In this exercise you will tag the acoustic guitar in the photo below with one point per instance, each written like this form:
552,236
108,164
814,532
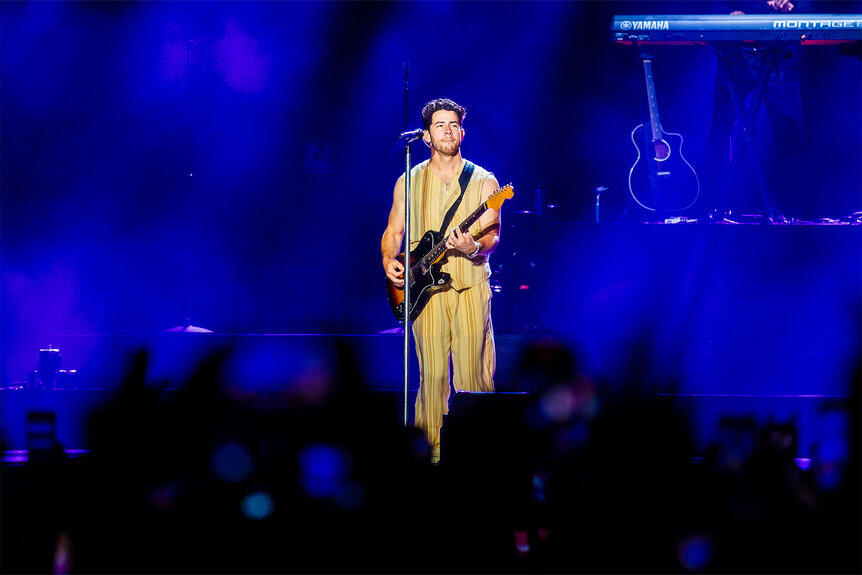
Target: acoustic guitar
661,179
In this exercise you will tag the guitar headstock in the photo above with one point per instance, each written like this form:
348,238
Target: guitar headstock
495,201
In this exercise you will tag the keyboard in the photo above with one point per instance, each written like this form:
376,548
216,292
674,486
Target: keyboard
716,28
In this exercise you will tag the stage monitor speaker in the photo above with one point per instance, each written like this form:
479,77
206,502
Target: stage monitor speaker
484,432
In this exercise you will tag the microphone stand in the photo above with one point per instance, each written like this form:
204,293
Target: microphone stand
407,264
187,326
406,68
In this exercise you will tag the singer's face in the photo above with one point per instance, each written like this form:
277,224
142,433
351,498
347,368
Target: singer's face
445,132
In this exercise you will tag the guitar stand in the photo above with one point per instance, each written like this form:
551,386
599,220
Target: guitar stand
746,118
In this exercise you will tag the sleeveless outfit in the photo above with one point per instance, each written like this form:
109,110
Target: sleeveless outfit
455,321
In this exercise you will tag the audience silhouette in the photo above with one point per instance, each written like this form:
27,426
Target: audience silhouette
234,472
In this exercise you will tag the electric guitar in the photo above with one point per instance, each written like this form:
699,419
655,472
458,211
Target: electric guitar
426,279
661,179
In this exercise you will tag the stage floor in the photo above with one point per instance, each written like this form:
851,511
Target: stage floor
729,319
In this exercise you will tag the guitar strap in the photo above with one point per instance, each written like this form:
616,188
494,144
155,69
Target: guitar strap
466,174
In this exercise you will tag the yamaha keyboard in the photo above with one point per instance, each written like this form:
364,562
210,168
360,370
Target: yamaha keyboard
716,28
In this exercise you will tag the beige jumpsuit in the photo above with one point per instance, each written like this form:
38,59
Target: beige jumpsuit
456,321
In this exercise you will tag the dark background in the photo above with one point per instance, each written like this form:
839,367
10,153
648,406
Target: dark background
286,114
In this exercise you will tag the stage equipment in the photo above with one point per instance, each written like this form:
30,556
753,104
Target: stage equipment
49,375
405,319
187,326
745,28
774,34
49,363
660,171
411,135
485,432
599,191
518,274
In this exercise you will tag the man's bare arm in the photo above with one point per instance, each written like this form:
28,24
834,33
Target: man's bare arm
390,245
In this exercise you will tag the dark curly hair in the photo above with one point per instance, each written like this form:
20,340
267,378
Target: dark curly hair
441,104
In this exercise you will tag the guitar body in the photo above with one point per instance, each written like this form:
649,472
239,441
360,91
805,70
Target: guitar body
426,280
661,179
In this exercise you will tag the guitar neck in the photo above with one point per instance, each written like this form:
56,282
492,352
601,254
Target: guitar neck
655,123
438,249
471,219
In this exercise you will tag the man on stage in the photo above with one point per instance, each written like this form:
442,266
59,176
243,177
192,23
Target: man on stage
455,322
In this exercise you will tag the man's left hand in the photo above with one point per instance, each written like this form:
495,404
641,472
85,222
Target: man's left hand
464,243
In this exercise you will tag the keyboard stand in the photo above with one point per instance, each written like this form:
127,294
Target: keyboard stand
746,120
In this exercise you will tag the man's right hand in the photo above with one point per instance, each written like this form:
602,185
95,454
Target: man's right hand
395,272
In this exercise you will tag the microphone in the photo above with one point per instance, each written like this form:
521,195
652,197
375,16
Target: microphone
411,135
